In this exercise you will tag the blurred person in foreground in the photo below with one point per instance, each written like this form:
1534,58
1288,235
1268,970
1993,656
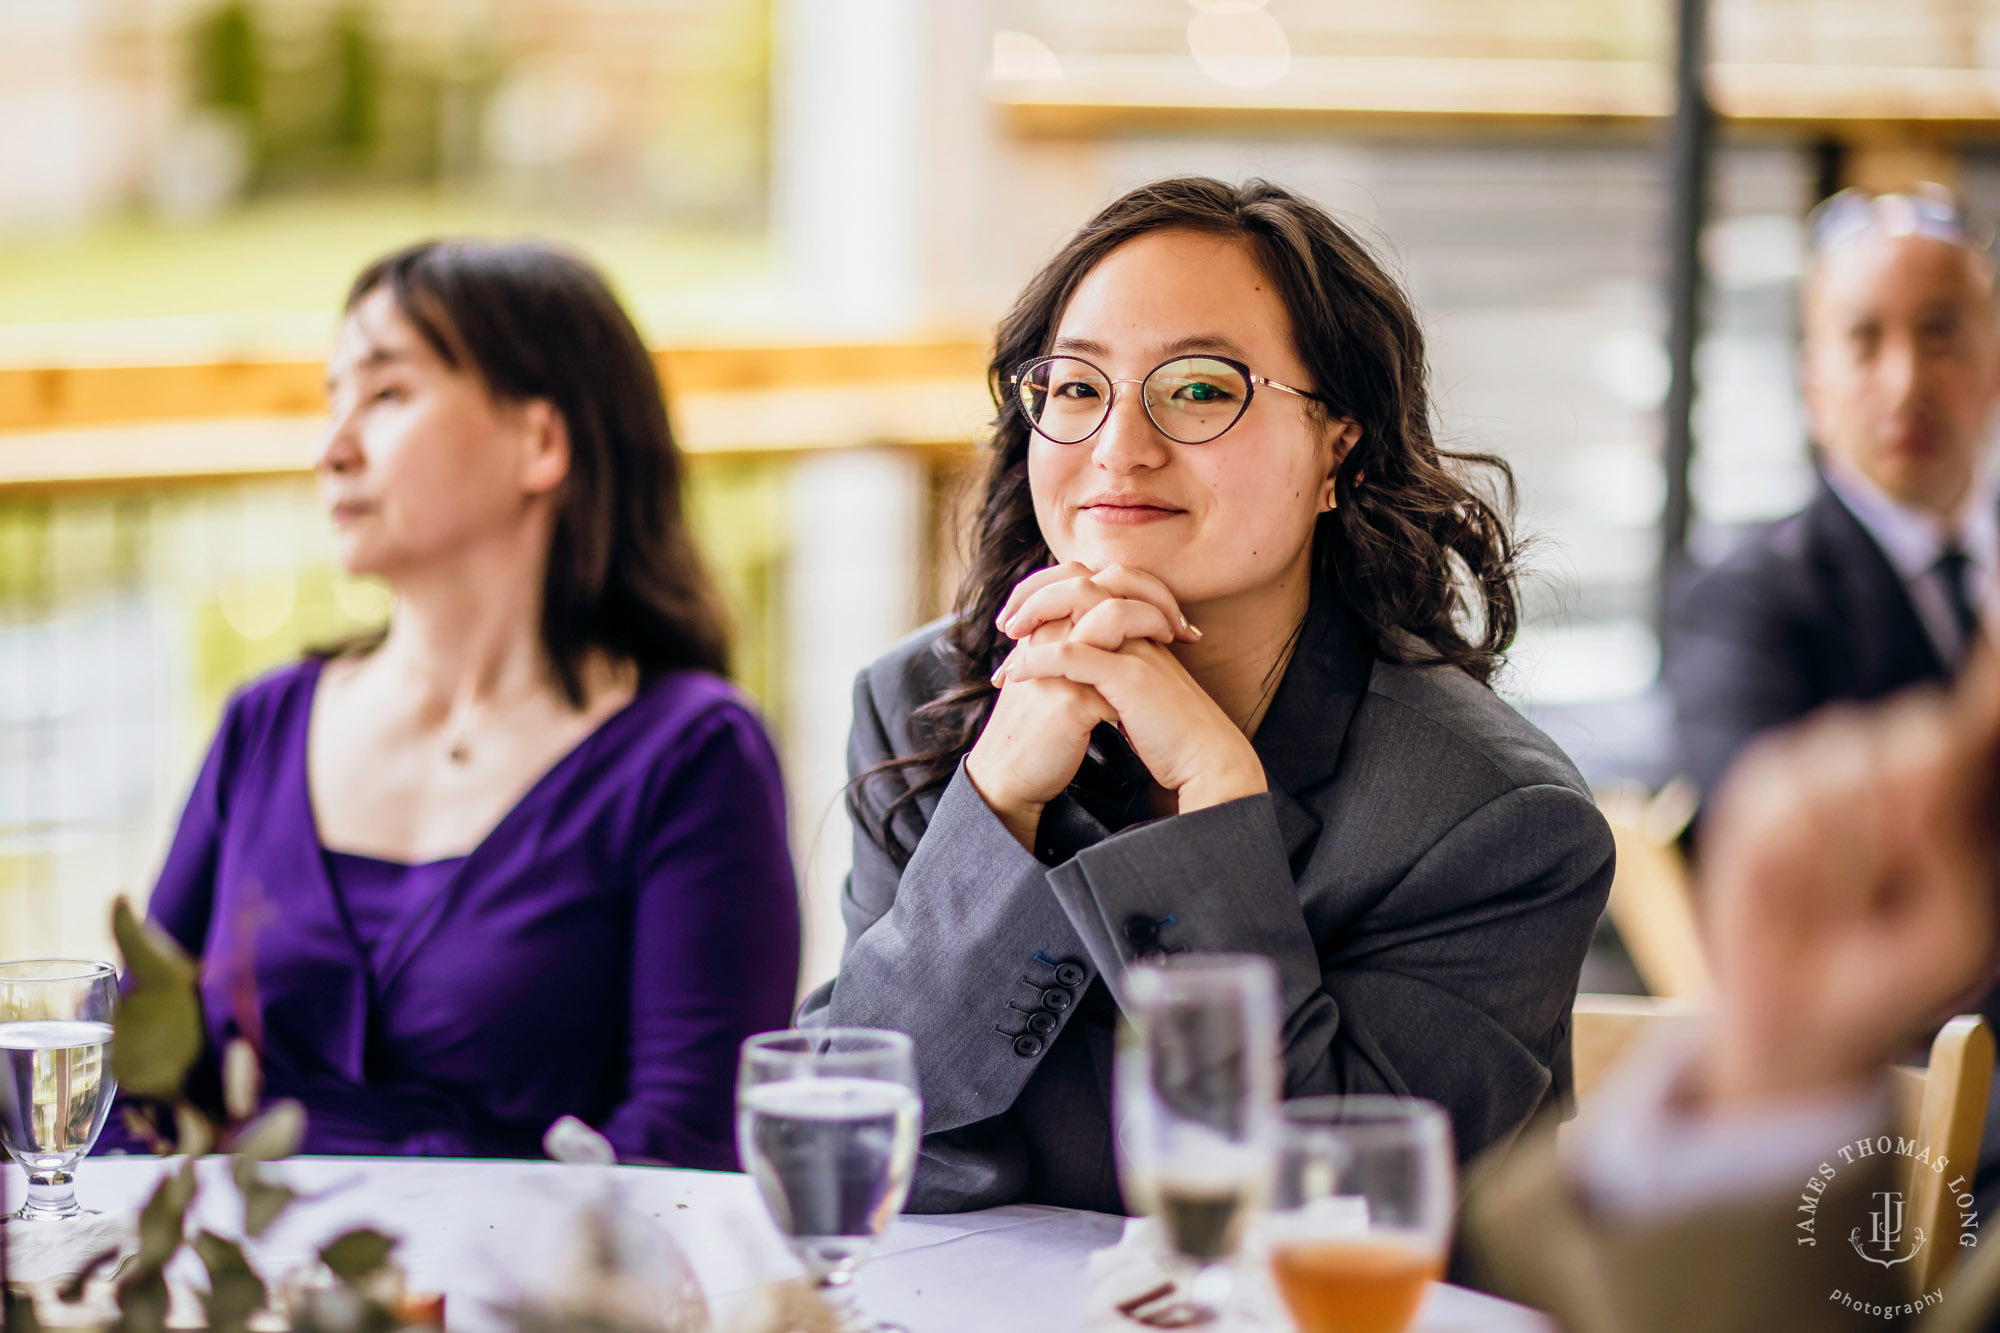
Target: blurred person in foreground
1853,883
1217,680
521,855
1872,587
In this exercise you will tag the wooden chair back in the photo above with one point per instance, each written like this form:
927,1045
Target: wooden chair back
1945,1105
1604,1027
1652,897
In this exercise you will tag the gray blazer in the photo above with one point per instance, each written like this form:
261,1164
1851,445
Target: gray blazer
1425,870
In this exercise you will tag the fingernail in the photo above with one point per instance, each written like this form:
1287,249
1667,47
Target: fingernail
998,677
1188,625
1007,625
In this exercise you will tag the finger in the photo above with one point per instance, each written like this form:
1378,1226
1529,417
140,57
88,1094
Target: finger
1000,673
1116,621
1035,582
1068,660
1137,584
1063,599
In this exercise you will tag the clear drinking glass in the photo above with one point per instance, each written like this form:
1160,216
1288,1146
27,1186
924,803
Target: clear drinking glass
55,1073
1197,1087
1361,1213
827,1122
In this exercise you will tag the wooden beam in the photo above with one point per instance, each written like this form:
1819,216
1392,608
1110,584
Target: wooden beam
1110,94
62,397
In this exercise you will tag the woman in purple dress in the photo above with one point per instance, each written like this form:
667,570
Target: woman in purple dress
522,854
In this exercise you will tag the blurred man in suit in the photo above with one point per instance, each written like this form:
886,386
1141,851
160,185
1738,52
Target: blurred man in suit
1853,884
1872,587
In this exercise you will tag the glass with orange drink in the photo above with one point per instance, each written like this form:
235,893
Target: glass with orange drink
1361,1210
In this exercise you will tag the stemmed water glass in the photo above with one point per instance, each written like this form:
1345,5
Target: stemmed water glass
1361,1217
827,1123
1197,1087
56,1083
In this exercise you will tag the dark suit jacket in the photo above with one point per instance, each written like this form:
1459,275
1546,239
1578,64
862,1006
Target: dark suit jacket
1807,612
1425,871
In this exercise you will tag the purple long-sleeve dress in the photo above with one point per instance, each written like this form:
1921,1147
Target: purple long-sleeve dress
600,954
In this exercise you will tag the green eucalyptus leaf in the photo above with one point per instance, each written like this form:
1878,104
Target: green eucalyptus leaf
20,1316
355,1255
235,1292
274,1134
142,1303
193,1134
263,1200
156,1034
163,1221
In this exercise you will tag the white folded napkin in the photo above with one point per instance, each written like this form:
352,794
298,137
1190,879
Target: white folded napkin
1134,1285
56,1250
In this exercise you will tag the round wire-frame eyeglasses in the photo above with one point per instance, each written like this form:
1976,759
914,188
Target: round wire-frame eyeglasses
1196,418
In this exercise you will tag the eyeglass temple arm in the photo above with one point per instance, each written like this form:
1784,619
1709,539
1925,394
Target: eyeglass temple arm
1285,388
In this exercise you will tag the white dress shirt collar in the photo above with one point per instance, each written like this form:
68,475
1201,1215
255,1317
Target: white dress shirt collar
1912,539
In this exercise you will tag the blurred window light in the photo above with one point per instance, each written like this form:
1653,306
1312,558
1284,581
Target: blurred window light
1239,48
1228,6
1633,367
544,117
1025,58
257,606
1755,250
1588,662
1617,485
202,166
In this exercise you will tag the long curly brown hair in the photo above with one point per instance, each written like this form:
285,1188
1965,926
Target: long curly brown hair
1422,557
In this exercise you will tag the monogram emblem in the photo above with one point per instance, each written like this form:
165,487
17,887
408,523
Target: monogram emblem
1885,1232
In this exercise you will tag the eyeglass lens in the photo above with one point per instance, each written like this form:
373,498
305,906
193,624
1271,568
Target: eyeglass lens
1192,400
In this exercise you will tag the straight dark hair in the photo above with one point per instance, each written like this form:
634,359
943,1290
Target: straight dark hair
532,320
1422,558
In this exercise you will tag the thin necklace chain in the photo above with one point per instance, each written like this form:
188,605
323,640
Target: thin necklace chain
460,749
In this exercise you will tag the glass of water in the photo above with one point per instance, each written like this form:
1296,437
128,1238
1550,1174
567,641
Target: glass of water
1197,1087
827,1122
55,1073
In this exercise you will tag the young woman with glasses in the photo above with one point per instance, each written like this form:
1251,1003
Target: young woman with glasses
1216,681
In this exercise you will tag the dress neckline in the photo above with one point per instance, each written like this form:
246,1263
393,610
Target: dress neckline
569,758
401,934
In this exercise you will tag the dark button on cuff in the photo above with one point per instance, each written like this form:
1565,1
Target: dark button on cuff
1041,1024
1069,974
1027,1046
1056,1000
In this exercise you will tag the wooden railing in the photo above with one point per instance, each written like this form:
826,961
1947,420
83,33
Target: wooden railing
72,427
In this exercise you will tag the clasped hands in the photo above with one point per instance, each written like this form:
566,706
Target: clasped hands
1094,646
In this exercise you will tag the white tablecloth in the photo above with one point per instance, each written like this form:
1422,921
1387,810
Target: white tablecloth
484,1232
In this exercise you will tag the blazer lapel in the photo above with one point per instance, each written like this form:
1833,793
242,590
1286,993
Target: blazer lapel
1891,647
1302,733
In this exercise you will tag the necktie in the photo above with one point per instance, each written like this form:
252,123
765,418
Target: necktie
1950,569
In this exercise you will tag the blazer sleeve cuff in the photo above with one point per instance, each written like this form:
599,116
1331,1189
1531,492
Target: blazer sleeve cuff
1216,881
975,960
